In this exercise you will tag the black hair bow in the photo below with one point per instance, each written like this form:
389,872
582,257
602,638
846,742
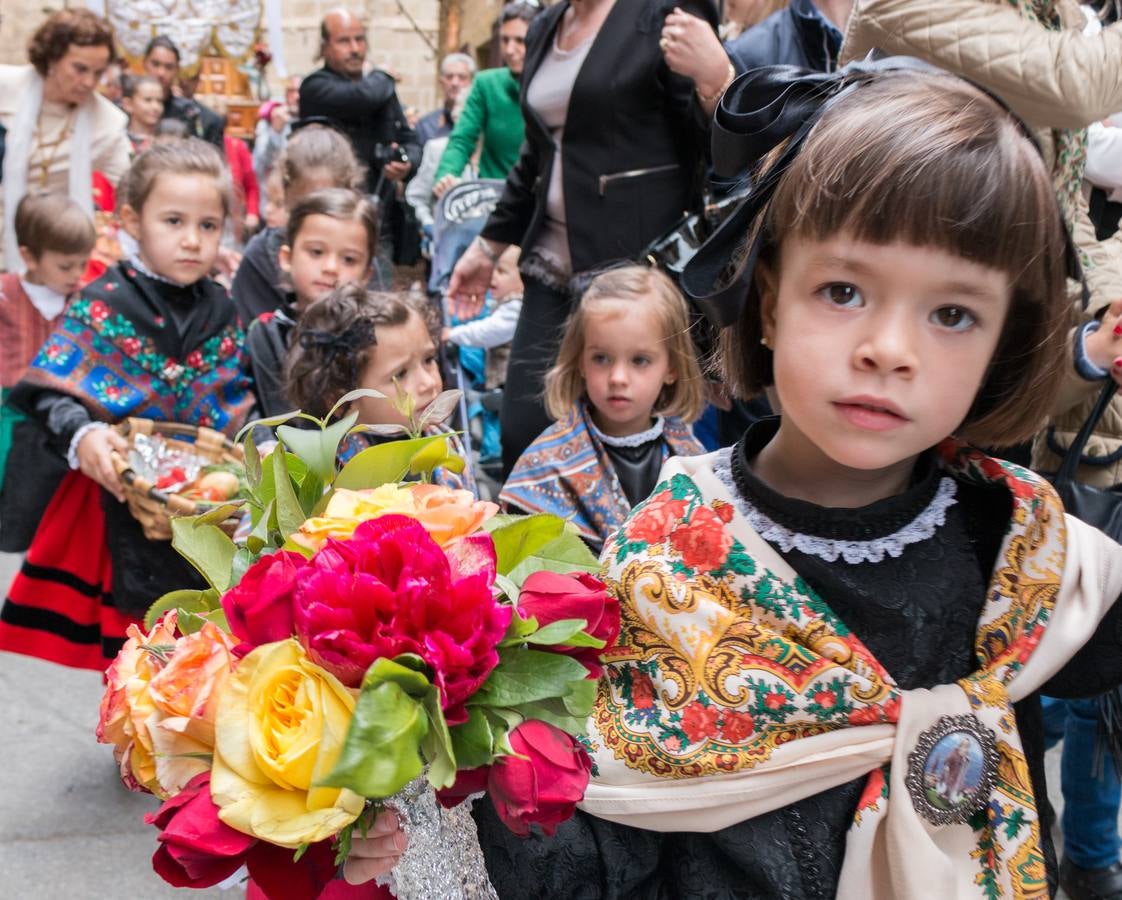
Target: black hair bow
356,336
761,109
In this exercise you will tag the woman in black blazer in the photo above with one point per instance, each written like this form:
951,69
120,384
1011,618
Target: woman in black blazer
633,148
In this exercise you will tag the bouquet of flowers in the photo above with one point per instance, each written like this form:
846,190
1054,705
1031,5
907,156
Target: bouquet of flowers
369,642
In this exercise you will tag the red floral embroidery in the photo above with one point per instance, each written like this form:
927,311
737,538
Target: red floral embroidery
775,700
130,345
642,692
737,726
827,699
874,790
699,722
194,359
658,517
227,346
1028,643
99,312
702,540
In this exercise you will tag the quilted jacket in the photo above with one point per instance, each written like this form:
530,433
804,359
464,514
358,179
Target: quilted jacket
1052,79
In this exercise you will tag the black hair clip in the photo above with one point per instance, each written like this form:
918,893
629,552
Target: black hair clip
356,336
760,110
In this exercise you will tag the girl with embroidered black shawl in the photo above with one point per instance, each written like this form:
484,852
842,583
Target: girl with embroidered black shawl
153,337
834,633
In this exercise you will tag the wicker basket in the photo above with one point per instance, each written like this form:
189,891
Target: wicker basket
153,508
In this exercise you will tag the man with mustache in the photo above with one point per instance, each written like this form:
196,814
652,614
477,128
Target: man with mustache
363,106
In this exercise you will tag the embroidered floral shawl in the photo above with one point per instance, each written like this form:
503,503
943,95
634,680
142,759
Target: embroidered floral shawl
118,351
735,690
567,472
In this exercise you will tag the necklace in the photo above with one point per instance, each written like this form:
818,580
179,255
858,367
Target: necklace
41,146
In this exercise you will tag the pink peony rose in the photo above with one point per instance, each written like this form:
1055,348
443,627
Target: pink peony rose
390,590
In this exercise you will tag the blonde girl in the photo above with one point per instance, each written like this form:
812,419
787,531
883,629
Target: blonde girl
624,389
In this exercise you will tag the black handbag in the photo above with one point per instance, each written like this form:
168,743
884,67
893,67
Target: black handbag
1101,507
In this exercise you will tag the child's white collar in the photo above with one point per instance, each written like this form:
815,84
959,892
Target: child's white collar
49,302
630,440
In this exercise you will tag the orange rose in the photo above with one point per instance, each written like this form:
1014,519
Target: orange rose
185,694
126,704
448,514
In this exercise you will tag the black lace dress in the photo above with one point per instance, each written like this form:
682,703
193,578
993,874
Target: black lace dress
916,612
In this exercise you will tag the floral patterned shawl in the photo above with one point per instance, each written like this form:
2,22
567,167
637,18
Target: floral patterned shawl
735,690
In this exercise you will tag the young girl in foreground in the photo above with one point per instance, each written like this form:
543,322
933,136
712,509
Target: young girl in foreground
624,387
817,618
355,338
331,240
153,337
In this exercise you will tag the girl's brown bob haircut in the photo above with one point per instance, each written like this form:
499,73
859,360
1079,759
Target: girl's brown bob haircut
685,397
53,222
319,148
189,156
316,376
929,160
338,203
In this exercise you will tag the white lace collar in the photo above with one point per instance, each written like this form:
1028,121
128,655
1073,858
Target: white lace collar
921,528
49,303
629,440
135,262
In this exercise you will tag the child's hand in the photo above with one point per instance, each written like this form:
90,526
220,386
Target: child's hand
442,187
95,461
376,853
1104,347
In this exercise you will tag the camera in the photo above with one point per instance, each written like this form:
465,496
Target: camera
389,153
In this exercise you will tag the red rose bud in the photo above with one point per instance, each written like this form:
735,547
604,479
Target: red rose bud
259,608
550,597
277,875
542,789
196,849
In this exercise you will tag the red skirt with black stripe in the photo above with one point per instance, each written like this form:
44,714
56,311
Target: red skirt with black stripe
60,607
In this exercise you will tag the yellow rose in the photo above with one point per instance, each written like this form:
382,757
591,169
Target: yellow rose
347,509
185,696
127,707
280,728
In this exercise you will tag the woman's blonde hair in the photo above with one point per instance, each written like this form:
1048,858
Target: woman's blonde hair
685,397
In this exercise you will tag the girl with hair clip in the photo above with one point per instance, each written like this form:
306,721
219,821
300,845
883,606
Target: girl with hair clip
153,337
314,158
624,389
355,338
332,236
816,619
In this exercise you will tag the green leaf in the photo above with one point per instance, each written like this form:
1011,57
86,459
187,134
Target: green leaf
442,406
565,554
569,632
403,671
243,559
473,741
380,754
310,494
435,456
216,515
381,463
252,461
206,547
523,676
185,599
518,629
437,744
351,396
270,422
523,537
508,587
318,447
290,515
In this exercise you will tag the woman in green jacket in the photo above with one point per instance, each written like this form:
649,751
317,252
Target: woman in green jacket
492,110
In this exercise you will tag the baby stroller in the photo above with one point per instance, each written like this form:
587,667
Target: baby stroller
458,218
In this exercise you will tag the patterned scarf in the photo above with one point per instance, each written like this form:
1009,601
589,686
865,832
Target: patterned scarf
1071,145
736,690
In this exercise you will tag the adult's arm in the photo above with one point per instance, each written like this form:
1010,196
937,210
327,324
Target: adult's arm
322,94
464,137
418,193
405,137
1052,79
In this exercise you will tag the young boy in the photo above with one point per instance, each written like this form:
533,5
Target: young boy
143,99
55,240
